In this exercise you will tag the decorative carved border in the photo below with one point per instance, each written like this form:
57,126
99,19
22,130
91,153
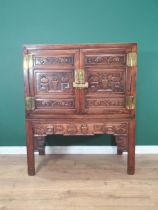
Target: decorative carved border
54,60
80,129
105,59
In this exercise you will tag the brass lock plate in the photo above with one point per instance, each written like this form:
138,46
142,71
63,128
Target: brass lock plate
78,85
80,79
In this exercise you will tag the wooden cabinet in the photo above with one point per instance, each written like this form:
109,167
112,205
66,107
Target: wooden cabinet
80,89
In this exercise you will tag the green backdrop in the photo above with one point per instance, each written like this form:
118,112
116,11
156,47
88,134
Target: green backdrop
77,21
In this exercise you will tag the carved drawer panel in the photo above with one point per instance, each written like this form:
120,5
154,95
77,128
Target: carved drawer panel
80,128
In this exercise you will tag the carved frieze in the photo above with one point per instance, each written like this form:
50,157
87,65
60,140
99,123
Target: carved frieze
84,129
81,129
43,130
55,103
58,129
105,59
111,129
121,129
39,130
54,82
54,60
49,129
105,102
71,129
106,81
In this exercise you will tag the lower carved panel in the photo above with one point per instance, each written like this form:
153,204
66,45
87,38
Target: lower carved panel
55,103
115,128
105,102
80,129
39,144
122,143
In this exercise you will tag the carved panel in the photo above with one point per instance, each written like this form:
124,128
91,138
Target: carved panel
43,130
71,129
55,82
84,129
105,102
105,59
111,129
81,129
106,81
39,130
54,60
39,144
58,129
55,103
122,143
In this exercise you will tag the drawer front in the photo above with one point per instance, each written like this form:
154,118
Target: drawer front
106,80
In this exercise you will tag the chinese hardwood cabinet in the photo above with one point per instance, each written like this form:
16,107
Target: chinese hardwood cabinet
80,89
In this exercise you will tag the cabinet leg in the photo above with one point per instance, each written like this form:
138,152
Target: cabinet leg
131,147
30,148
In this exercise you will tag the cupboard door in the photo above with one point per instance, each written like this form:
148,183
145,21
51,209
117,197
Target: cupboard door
51,77
109,80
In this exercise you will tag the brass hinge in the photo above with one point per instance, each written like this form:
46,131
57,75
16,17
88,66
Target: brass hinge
29,103
80,79
130,102
27,62
132,59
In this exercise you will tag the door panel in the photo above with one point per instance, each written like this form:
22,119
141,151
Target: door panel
106,74
56,82
51,81
106,81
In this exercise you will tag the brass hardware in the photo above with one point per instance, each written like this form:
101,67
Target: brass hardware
29,103
77,85
27,62
80,79
130,102
132,59
79,76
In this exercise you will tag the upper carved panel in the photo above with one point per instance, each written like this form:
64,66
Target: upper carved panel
54,60
55,103
106,81
54,82
105,59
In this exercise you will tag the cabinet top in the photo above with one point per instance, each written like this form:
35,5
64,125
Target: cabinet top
79,46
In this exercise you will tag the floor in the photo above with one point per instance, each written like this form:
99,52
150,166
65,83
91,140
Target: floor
79,182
